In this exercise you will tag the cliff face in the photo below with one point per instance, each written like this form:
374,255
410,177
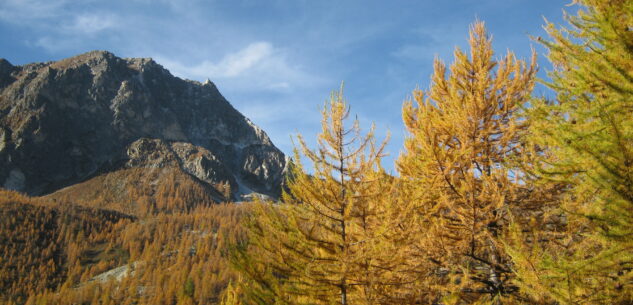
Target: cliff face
65,122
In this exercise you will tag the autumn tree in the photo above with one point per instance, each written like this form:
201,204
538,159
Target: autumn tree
588,134
462,130
333,238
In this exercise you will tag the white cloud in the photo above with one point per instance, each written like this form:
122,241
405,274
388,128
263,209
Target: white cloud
173,4
235,64
259,66
91,23
59,24
76,33
51,44
25,11
232,65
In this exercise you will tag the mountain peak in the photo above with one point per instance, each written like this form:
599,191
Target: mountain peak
4,64
6,68
88,58
64,122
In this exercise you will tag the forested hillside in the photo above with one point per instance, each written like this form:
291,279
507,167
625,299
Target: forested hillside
42,244
60,253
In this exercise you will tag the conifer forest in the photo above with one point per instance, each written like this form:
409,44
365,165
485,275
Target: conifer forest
500,195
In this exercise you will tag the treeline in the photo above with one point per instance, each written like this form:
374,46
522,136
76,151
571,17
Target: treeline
163,227
501,198
141,192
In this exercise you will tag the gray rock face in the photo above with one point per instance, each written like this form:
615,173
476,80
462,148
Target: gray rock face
193,160
63,122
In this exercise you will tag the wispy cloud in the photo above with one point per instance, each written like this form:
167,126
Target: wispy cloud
26,11
53,44
77,31
237,63
60,24
259,65
92,23
429,42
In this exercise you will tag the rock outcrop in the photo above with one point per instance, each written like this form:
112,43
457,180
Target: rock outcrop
65,122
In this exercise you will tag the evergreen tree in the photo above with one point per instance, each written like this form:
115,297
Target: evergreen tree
587,134
334,239
462,130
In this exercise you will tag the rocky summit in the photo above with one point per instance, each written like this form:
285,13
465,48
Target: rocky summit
65,122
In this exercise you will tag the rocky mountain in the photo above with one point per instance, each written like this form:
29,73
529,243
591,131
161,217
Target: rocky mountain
68,122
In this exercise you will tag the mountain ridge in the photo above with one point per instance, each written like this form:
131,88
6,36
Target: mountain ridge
65,122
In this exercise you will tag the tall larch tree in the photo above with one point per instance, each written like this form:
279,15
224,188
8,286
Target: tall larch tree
334,237
587,132
462,130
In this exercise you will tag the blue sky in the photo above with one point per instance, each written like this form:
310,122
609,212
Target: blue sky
276,61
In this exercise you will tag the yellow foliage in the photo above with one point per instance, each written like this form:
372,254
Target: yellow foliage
463,129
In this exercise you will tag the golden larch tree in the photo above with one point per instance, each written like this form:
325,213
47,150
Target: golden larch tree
334,238
587,133
462,130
